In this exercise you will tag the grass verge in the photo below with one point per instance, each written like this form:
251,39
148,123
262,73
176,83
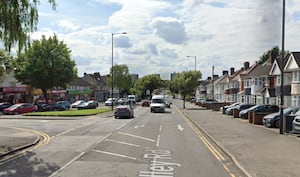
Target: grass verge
84,112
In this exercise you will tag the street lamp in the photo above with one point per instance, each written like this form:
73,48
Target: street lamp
112,69
281,63
195,60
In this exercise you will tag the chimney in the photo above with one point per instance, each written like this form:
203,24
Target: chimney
272,56
208,78
246,65
215,76
231,71
225,72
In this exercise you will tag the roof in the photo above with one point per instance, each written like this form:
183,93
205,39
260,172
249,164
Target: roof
297,57
260,70
80,82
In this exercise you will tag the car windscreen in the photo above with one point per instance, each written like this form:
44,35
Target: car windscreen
158,101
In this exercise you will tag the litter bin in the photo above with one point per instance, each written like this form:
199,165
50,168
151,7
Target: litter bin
289,123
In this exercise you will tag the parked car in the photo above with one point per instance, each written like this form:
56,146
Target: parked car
4,105
296,123
273,120
223,108
57,107
124,111
92,104
229,110
76,103
42,107
110,102
20,108
66,104
244,113
168,102
199,101
238,108
145,103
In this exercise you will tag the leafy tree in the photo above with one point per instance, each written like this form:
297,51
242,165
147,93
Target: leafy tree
122,78
185,83
46,64
5,60
18,19
149,82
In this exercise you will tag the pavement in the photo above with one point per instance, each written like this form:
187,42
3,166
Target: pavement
257,150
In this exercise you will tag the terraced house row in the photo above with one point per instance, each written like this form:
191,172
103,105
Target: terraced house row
259,83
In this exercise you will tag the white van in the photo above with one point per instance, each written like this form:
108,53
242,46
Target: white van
157,103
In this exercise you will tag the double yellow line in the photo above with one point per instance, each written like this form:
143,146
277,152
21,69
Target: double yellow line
206,142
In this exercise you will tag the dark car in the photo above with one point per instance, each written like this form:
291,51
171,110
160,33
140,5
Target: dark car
42,107
244,113
88,105
273,120
124,111
20,108
57,107
4,105
66,104
229,110
238,108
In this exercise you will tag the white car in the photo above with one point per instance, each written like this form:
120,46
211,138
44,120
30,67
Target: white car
157,103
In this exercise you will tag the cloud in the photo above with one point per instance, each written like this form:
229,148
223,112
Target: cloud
68,25
169,53
170,29
122,42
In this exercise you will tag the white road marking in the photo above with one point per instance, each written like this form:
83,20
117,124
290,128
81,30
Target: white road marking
179,127
121,126
139,126
114,154
63,167
121,142
135,136
160,128
158,140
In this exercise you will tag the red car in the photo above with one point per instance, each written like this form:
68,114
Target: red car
20,108
145,103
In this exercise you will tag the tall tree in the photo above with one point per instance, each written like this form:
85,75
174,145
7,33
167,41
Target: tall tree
18,19
149,82
46,64
186,82
274,53
122,78
5,60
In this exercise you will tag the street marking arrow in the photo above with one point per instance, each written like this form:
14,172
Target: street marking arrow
179,127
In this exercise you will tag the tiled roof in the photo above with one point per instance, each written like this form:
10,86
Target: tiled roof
80,82
297,57
261,70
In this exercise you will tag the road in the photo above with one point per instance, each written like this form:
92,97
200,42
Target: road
151,144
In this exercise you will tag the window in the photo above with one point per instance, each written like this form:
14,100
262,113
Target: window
296,100
278,80
296,76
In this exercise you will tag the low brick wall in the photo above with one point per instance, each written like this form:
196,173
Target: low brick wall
236,113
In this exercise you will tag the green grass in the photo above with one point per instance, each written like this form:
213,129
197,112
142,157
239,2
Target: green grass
84,112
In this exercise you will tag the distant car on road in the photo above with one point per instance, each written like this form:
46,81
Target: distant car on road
110,102
20,108
157,103
145,103
124,111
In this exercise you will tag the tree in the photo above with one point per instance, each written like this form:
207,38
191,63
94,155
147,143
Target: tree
18,19
122,78
185,83
5,60
149,82
46,64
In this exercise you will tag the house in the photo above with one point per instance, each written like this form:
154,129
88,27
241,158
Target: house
79,89
293,66
287,80
99,86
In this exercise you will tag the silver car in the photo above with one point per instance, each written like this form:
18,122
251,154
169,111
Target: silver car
124,111
296,124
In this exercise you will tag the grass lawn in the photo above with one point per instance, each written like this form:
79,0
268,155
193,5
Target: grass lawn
84,112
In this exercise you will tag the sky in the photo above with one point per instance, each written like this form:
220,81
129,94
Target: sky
162,33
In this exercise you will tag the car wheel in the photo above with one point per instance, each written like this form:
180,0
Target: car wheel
116,117
277,124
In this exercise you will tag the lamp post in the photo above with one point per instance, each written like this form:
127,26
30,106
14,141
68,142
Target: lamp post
195,61
281,63
112,68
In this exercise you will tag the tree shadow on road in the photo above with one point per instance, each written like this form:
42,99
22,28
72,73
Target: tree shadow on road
27,165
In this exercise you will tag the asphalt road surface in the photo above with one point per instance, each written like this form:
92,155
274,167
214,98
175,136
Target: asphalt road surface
149,145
